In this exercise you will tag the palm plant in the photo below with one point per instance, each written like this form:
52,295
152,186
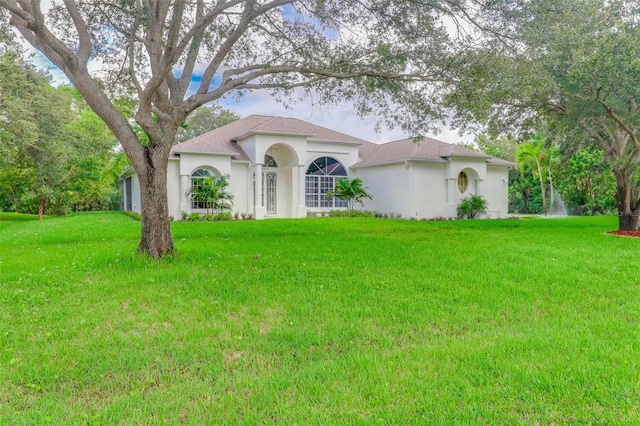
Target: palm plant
472,206
213,193
534,155
349,190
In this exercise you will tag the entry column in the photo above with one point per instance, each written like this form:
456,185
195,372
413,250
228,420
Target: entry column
185,187
258,208
301,204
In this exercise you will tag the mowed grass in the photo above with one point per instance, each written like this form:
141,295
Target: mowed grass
320,321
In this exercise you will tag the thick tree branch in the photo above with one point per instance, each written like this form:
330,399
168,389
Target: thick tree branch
602,143
226,47
85,46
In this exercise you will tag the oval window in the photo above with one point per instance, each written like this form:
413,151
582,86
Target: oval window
463,182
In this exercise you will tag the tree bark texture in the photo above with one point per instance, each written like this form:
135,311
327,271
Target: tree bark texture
41,206
156,239
628,206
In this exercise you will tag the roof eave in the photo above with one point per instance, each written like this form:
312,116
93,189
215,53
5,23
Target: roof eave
403,160
354,143
503,163
479,156
226,153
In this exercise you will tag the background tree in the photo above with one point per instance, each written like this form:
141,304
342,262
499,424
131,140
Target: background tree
203,120
586,182
97,160
378,54
350,190
32,132
55,150
535,156
571,64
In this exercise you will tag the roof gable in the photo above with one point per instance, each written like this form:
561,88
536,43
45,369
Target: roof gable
223,140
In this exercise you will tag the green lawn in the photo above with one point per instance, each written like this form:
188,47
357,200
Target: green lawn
320,321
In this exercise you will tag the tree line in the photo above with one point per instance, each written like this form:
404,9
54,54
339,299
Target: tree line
56,155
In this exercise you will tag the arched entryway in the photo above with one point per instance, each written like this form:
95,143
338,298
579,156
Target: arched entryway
276,182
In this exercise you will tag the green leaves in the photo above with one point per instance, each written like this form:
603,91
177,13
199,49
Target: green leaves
351,191
53,148
471,207
213,192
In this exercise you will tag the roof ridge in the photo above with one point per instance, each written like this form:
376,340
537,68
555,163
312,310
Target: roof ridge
270,118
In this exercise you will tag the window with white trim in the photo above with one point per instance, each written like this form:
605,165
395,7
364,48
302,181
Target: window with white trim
321,178
196,178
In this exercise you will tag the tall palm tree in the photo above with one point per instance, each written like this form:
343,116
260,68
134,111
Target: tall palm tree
350,190
534,155
213,192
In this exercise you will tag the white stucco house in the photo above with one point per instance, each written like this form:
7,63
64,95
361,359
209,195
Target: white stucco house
283,167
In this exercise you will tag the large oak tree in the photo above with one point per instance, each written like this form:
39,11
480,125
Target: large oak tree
387,57
574,65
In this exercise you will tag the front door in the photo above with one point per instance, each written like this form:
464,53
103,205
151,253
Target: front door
271,192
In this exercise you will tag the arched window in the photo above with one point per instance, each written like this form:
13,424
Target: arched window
463,182
269,161
321,178
196,178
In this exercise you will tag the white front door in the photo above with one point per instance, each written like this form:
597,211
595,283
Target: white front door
271,192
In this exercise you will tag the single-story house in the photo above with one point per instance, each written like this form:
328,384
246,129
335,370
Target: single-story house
283,167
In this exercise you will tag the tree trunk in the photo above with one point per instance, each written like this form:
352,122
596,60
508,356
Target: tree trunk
156,239
542,189
41,206
552,197
628,214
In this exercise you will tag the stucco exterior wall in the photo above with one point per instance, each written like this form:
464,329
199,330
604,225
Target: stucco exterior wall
430,191
345,154
173,188
497,191
241,186
220,164
387,185
427,190
179,178
136,199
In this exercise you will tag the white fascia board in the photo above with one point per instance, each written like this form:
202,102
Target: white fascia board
226,153
335,142
412,160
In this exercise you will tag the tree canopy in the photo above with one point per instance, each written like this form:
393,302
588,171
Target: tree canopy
570,65
53,149
388,58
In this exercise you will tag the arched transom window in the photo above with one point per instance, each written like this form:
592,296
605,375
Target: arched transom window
196,178
269,161
321,178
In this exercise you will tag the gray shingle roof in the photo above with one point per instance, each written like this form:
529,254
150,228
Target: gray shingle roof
424,149
223,139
